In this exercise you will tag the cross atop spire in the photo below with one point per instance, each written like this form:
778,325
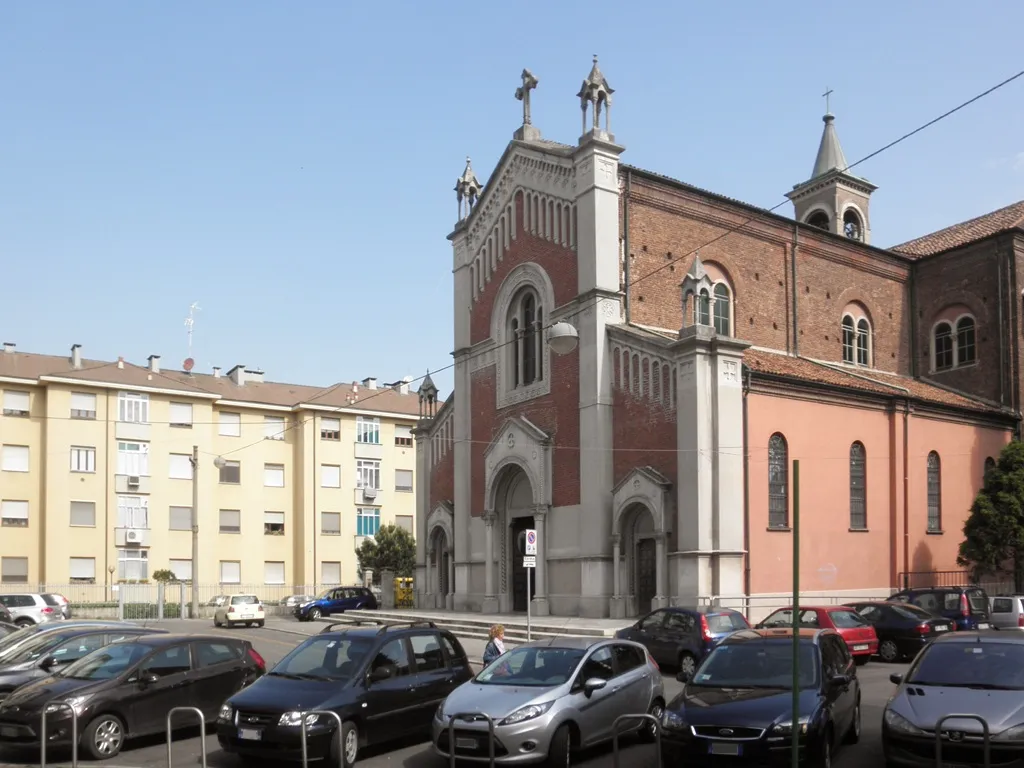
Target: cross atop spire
526,132
828,92
467,190
596,93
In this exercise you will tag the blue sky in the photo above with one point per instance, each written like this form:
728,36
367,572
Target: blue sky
290,165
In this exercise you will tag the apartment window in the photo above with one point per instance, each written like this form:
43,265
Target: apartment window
14,458
403,479
368,474
934,493
16,403
231,521
133,459
403,435
230,572
181,415
273,427
330,476
132,564
404,522
330,572
273,475
14,514
858,487
179,518
273,572
182,569
83,514
133,407
83,459
367,522
132,512
231,472
83,405
778,482
14,570
367,430
180,466
230,424
330,523
82,570
330,429
273,523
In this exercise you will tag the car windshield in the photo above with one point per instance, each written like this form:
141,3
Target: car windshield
540,667
752,664
324,658
996,666
846,620
11,641
326,593
107,663
35,647
725,622
912,612
244,600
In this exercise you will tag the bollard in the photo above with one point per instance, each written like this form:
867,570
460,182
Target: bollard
341,735
74,733
202,736
617,731
470,717
985,740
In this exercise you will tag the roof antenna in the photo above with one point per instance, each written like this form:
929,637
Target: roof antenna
190,322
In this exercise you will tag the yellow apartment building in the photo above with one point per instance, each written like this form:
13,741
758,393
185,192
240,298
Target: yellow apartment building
97,473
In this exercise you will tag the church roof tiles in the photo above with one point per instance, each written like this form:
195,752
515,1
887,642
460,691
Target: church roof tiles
966,232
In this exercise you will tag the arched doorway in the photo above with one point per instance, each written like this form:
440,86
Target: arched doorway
514,508
641,525
439,586
440,565
641,557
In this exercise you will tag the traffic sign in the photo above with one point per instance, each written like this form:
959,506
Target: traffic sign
530,561
531,542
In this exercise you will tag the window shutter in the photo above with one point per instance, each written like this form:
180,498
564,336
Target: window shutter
83,401
82,568
330,425
181,413
182,569
403,479
273,572
83,513
231,424
273,518
273,427
330,573
231,518
402,431
180,519
15,458
330,522
14,569
181,466
330,476
230,572
273,475
16,401
15,510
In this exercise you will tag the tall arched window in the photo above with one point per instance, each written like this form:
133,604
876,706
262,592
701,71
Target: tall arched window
778,482
934,493
858,487
863,342
723,314
849,340
943,344
966,351
526,324
702,308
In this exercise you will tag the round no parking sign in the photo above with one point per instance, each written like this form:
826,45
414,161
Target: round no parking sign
531,542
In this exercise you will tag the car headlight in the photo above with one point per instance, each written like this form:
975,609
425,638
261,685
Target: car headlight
77,703
1013,733
785,727
528,712
900,723
439,714
226,712
294,719
672,721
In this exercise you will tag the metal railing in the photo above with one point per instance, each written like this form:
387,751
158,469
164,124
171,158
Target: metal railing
986,741
618,731
471,717
341,735
202,733
74,731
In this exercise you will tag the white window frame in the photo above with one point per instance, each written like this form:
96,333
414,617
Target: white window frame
273,475
126,555
17,402
181,568
330,476
83,458
133,512
330,428
83,405
323,529
403,433
15,458
367,430
173,511
133,407
132,458
368,474
274,518
363,513
220,522
14,513
179,466
274,427
412,481
229,424
335,567
181,415
232,566
270,572
85,567
71,513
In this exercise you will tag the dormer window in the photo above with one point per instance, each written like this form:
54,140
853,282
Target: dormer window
852,226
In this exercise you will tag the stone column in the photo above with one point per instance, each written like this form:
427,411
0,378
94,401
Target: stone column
540,605
449,601
617,605
490,604
422,482
661,563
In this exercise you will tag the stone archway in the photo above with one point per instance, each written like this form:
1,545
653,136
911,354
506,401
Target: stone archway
515,514
440,556
639,567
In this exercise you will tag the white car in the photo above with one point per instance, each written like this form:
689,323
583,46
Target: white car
239,609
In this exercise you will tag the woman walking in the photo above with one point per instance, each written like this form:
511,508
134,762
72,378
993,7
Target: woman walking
496,645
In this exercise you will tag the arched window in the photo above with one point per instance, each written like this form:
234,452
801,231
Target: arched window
526,325
818,219
863,342
778,482
702,308
966,351
858,487
943,343
723,315
934,493
849,339
852,226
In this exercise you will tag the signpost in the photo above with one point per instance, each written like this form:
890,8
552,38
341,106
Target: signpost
795,719
529,562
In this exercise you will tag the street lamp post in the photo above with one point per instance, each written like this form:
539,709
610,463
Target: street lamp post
218,462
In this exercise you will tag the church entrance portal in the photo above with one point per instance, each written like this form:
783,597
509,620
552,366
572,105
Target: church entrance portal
514,509
646,574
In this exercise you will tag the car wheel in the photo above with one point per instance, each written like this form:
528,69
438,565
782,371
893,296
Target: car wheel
853,735
687,663
103,737
560,749
24,622
260,623
825,754
248,625
648,730
348,744
216,621
889,651
314,614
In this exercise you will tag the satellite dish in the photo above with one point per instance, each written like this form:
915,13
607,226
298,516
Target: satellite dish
189,364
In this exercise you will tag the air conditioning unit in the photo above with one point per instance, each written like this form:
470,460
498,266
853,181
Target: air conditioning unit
133,481
369,493
132,536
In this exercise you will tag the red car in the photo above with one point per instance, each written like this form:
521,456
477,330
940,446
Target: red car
858,634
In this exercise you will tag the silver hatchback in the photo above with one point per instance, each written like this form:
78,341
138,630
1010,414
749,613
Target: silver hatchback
549,698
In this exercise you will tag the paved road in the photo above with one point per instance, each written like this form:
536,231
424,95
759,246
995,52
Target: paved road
280,636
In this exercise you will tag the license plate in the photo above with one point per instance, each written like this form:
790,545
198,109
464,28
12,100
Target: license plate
249,734
465,744
862,647
984,626
942,628
724,748
9,733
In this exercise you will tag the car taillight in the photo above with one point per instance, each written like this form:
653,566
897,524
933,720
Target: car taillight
231,609
924,628
259,606
652,661
965,608
47,610
254,655
705,630
1020,620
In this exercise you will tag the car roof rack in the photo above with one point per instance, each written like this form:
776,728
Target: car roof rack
351,623
406,624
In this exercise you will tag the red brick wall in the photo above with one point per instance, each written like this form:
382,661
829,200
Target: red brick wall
442,480
644,434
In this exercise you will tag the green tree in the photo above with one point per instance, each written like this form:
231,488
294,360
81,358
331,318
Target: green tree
164,575
994,531
393,548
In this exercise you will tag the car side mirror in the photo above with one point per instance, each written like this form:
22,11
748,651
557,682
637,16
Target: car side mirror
48,663
593,684
379,674
838,681
683,676
149,679
895,678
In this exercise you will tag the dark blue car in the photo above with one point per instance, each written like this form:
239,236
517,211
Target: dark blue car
682,637
966,607
336,600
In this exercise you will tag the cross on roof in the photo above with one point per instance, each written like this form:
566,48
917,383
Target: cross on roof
828,92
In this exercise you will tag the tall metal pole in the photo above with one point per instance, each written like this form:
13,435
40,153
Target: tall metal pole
194,610
795,720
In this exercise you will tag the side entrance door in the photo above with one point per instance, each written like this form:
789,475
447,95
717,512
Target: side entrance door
517,530
646,573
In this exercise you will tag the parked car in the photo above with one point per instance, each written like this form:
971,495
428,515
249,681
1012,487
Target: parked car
10,643
737,707
903,629
383,682
7,628
295,600
1007,612
336,600
966,607
58,601
977,672
859,635
682,637
217,601
126,689
31,608
240,609
550,697
5,614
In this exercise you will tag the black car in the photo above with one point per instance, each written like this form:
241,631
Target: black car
384,682
126,689
10,643
681,637
737,709
903,629
965,607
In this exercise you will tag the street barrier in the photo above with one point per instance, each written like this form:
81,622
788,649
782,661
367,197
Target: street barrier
202,732
74,733
471,717
617,731
341,735
986,742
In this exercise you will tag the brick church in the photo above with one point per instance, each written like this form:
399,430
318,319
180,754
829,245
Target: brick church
638,362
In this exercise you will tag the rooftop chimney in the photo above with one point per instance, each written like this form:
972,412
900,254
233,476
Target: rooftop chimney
370,382
76,356
154,363
216,371
403,385
237,374
254,376
120,362
9,346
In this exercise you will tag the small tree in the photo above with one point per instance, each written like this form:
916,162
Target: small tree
164,575
994,531
393,548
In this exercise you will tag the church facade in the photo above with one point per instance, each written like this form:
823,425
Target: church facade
639,362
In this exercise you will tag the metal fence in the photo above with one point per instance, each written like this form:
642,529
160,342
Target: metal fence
922,579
